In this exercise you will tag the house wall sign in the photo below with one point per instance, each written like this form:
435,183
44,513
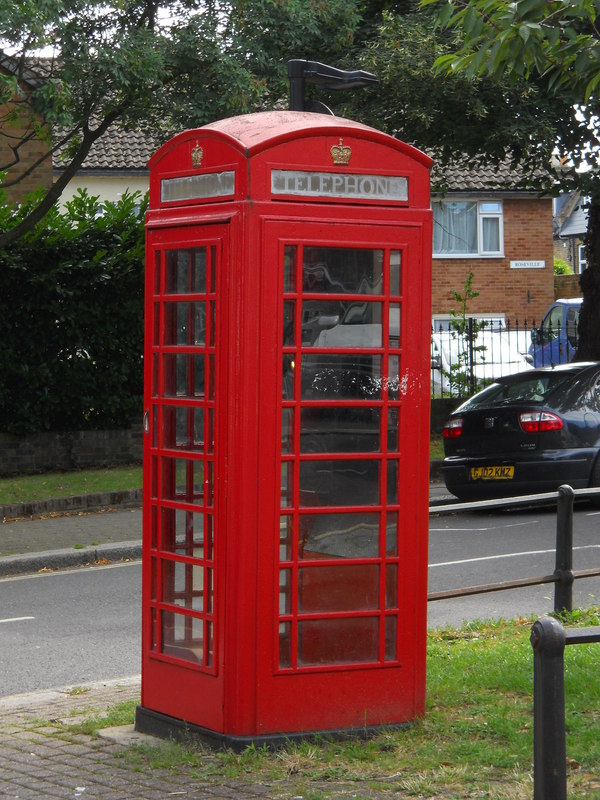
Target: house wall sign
527,264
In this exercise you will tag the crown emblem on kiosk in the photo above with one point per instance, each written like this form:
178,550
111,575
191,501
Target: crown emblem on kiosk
341,153
197,153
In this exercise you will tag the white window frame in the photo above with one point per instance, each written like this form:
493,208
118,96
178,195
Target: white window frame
483,213
581,259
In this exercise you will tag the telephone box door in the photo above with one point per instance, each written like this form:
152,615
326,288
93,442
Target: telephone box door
348,583
183,529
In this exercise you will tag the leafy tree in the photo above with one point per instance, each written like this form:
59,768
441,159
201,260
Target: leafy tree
464,330
454,115
159,64
554,46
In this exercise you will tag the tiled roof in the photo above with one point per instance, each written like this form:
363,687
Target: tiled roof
121,151
118,151
576,223
34,72
472,175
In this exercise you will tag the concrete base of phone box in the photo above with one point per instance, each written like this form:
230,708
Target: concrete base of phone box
165,727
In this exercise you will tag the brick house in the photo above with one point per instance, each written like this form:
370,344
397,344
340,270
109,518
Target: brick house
501,234
21,149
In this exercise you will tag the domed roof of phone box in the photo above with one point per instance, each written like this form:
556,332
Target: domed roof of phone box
251,133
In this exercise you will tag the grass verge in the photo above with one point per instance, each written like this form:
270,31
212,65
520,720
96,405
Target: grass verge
28,488
475,740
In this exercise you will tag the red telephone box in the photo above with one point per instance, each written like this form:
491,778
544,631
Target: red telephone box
286,429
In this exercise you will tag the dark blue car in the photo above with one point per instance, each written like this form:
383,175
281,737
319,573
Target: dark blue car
555,340
526,433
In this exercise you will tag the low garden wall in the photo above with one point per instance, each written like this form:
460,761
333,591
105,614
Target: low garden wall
69,450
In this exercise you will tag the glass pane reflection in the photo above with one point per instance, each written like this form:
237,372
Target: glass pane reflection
182,637
183,375
185,271
338,641
396,272
341,429
336,377
339,535
334,324
339,270
183,427
185,323
183,532
344,587
342,482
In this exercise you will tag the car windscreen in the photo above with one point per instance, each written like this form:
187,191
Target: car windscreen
530,388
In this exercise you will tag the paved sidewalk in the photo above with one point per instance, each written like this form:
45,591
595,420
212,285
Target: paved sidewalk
57,539
41,758
60,541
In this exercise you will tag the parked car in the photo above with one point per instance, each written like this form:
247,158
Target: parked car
555,340
457,366
526,433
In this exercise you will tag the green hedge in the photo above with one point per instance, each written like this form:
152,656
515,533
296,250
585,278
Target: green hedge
71,321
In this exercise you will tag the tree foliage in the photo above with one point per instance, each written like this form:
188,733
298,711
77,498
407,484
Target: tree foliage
550,38
453,114
159,64
71,317
554,46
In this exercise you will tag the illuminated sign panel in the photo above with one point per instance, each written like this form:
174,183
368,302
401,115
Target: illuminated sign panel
198,187
333,184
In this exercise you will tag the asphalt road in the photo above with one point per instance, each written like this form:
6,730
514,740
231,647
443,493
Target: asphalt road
66,628
70,627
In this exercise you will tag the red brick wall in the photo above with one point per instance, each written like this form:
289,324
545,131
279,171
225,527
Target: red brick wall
520,294
28,153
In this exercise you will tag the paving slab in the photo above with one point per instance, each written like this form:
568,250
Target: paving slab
40,758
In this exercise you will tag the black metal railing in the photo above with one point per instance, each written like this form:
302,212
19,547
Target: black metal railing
468,354
563,575
548,639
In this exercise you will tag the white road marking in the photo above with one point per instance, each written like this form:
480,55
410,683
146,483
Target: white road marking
508,555
15,619
487,528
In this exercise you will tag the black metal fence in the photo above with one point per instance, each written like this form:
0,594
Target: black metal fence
467,354
548,637
563,575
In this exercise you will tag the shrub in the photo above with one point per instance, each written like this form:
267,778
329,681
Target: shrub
71,321
561,267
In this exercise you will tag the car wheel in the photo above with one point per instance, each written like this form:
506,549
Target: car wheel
595,481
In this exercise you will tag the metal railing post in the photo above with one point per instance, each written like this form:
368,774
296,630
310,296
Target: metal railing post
549,740
563,590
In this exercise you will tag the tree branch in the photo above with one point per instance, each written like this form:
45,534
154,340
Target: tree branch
55,191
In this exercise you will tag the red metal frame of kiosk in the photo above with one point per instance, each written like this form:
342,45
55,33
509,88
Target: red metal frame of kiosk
286,429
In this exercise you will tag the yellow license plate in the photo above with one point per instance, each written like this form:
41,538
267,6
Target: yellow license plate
492,473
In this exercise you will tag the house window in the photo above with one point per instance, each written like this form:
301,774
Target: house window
582,260
467,228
